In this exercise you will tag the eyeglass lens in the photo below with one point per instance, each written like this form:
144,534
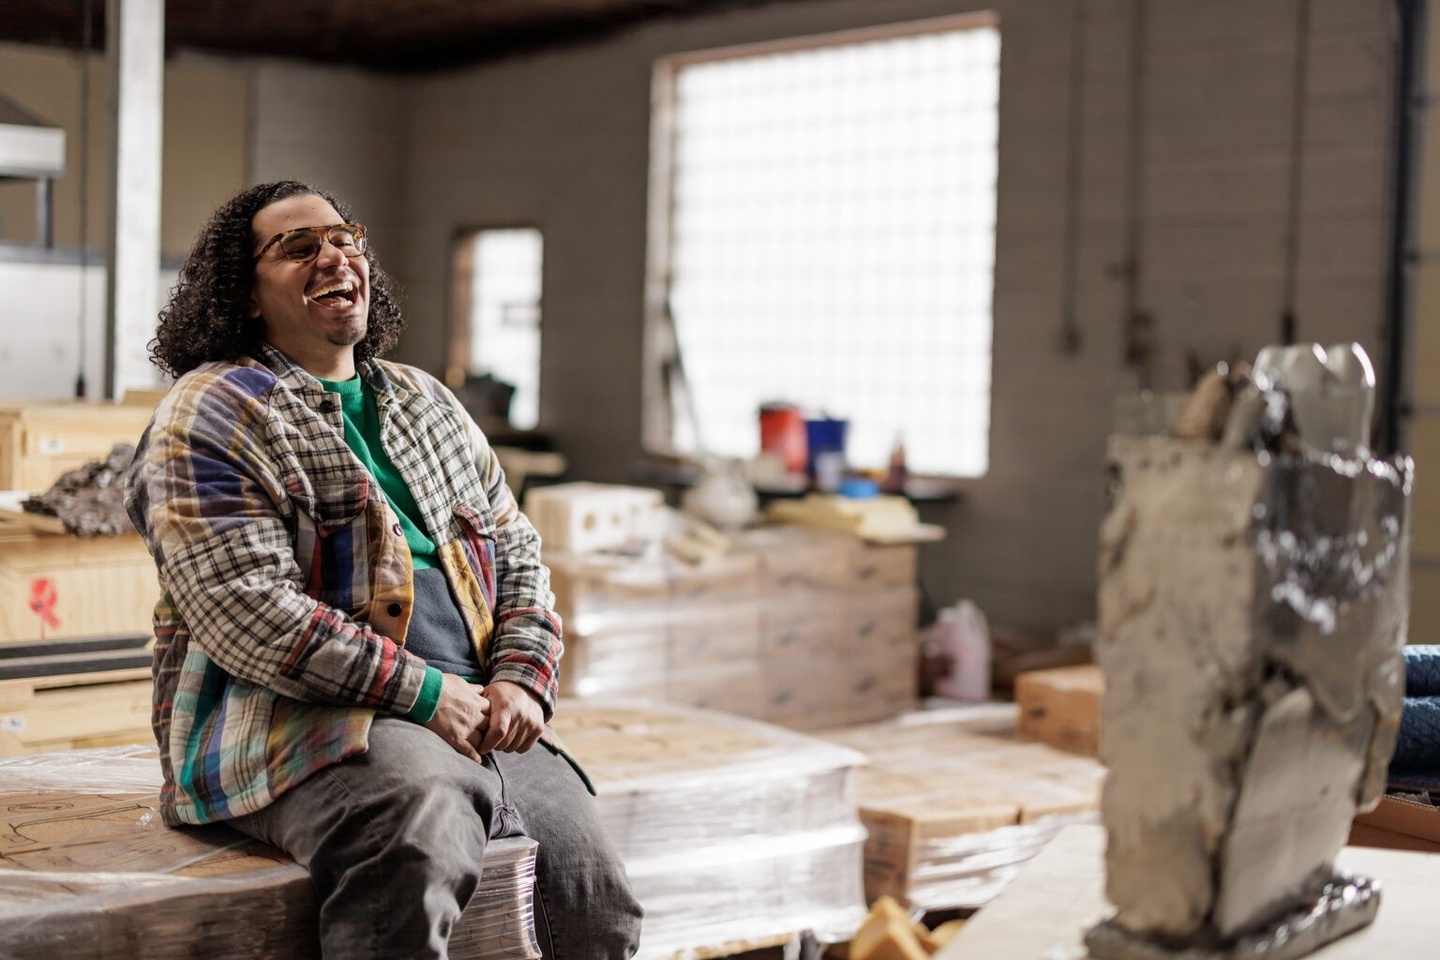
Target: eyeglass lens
305,244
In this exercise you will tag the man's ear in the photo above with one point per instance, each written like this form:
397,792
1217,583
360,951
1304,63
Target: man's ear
252,306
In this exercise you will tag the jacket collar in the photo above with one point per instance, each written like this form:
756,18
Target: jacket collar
304,384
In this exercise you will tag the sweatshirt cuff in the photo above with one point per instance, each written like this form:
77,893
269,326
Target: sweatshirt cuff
429,700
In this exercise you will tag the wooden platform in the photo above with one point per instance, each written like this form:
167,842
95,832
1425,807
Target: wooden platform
89,870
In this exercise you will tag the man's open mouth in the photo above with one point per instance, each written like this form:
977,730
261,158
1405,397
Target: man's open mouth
335,293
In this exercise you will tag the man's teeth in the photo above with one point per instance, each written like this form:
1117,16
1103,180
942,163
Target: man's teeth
344,287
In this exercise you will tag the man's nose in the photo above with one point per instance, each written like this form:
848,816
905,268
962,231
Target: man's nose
329,255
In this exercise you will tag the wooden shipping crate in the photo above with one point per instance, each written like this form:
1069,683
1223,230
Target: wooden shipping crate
39,441
1061,707
57,586
46,714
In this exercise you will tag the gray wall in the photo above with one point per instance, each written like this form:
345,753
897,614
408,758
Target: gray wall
561,140
340,129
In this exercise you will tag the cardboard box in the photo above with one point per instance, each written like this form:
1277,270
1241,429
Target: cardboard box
792,558
955,804
1398,824
1061,707
796,630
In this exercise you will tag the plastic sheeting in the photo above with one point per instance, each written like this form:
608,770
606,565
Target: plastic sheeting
955,805
805,628
87,869
736,834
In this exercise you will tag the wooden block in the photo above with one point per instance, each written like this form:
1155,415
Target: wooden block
736,689
719,579
882,620
1061,707
796,558
595,591
715,637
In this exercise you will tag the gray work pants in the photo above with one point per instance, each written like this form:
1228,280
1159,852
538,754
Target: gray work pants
394,838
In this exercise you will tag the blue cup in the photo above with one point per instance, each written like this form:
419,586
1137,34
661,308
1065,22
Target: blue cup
825,452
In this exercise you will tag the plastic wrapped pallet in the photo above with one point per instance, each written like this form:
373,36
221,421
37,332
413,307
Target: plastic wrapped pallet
88,869
955,804
736,834
805,628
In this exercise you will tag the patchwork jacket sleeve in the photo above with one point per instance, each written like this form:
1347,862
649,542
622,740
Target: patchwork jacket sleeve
526,647
205,493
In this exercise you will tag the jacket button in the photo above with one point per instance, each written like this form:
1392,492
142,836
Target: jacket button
394,609
397,531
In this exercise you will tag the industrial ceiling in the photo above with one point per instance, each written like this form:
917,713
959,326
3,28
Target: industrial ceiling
390,35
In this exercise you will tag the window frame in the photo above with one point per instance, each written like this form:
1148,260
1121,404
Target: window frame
657,420
459,315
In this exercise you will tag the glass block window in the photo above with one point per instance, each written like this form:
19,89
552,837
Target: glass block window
504,321
825,235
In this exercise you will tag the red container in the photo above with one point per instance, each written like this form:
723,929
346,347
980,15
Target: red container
782,433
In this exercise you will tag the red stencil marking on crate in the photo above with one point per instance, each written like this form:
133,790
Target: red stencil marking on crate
43,599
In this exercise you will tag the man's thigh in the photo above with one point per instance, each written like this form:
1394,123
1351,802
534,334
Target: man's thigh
404,762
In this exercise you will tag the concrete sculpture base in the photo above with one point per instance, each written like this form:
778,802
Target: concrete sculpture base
1343,905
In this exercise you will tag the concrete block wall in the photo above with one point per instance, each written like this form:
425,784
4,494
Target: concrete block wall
341,129
560,140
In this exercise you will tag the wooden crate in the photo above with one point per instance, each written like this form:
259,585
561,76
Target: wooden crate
1061,707
40,441
55,586
45,714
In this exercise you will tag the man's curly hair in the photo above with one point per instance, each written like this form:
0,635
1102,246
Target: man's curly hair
206,317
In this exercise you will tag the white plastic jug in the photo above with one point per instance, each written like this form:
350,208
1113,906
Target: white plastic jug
962,634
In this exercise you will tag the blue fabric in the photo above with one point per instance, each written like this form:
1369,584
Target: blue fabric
1422,670
1416,763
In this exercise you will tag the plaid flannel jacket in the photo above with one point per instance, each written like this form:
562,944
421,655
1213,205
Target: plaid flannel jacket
286,579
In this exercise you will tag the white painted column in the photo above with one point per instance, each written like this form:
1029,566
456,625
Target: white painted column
135,48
